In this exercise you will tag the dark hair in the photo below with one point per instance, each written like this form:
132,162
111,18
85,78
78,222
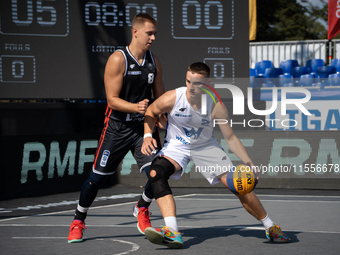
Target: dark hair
200,68
141,18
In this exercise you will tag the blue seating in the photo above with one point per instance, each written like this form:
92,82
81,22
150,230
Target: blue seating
288,64
309,64
261,66
336,64
315,64
297,72
308,80
272,75
268,85
325,71
273,72
258,81
334,79
286,80
252,72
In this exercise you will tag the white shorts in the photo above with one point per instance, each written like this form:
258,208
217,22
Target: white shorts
210,159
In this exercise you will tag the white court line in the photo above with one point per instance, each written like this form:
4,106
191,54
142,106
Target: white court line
95,207
135,246
182,197
74,202
44,214
180,226
232,195
267,200
38,237
189,197
64,225
262,229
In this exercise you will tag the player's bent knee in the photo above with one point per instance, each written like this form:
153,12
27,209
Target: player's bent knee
96,180
161,170
152,173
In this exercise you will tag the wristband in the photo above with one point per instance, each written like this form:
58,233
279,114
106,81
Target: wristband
147,135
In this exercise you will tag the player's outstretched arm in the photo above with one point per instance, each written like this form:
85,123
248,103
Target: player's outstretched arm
234,144
163,104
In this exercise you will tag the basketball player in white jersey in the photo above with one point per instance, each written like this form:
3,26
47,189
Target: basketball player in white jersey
189,137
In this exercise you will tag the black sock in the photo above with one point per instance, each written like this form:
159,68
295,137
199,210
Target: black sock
80,216
147,193
142,203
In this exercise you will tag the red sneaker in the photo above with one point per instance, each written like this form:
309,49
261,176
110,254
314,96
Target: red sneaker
76,231
143,218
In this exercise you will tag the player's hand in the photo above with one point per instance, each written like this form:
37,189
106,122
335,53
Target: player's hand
143,105
149,146
252,166
162,121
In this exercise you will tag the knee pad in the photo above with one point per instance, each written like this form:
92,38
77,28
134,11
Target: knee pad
159,183
96,180
90,189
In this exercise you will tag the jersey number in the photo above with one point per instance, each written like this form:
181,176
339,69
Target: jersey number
151,77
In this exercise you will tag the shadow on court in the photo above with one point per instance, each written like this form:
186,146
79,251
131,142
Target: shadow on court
211,221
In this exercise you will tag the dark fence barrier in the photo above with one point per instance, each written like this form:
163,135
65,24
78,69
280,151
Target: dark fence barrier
48,148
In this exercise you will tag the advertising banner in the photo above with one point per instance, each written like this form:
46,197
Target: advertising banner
333,18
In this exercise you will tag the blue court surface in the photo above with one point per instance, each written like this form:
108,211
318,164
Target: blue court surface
212,221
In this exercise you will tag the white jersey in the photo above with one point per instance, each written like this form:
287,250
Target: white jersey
186,126
189,136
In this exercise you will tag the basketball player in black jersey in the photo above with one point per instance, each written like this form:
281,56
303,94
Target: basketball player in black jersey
130,76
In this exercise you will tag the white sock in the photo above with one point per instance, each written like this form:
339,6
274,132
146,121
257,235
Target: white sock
267,222
82,209
171,222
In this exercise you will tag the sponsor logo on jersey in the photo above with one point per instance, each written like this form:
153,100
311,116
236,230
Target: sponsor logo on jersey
132,66
193,134
182,109
134,117
182,115
181,139
134,72
150,66
105,157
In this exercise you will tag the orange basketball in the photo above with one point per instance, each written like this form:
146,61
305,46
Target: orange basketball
241,180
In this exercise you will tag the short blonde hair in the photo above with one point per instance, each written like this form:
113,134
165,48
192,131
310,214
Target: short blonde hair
141,18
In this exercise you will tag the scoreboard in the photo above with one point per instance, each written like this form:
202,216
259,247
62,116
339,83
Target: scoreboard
57,49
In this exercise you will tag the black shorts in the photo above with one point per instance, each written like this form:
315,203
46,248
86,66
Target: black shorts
117,139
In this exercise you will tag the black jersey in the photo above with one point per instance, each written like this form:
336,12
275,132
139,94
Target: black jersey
137,83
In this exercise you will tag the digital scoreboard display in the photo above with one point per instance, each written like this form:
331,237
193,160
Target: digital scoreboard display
57,49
